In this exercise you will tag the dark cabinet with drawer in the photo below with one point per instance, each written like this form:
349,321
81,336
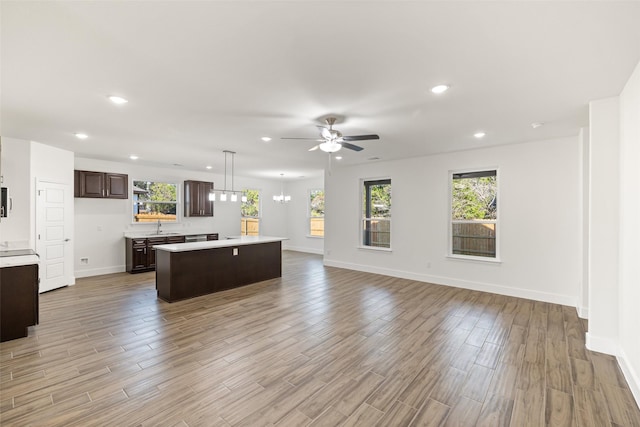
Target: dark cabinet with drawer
140,254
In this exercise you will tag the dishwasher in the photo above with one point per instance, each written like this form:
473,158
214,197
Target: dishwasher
196,238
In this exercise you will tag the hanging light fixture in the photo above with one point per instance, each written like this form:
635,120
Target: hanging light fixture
281,198
233,194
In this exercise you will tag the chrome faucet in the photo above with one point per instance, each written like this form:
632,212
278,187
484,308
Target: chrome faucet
158,231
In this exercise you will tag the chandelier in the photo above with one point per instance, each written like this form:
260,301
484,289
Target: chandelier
281,198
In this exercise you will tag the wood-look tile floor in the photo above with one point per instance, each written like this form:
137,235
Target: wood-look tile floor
320,346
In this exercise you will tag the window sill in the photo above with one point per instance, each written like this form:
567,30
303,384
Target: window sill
375,248
475,259
314,237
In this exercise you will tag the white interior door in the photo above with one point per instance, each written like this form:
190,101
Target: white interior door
53,231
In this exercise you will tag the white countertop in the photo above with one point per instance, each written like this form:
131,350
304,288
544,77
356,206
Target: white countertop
14,261
165,233
239,241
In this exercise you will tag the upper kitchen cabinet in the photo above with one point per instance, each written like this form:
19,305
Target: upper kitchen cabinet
196,198
101,185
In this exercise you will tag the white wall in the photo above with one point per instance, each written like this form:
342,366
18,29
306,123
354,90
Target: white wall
539,196
603,225
16,227
629,279
100,223
298,216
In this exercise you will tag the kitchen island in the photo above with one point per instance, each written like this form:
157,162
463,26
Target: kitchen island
187,270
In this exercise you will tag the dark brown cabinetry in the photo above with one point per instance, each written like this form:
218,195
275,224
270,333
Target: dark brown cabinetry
18,300
140,252
101,185
196,198
188,274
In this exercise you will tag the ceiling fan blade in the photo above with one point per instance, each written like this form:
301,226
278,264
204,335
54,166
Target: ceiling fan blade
351,146
311,139
360,137
314,148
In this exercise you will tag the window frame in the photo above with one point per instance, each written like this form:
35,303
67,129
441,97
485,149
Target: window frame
363,217
496,222
178,204
309,217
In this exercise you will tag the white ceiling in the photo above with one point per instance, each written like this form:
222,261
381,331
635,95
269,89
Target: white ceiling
205,76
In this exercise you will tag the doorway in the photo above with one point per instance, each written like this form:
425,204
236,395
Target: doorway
54,228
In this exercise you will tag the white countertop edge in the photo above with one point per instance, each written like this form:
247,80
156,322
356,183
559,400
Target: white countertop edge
165,233
212,244
16,261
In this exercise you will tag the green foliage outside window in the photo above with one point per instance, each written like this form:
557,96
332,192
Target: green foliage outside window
316,203
474,198
380,200
251,208
154,201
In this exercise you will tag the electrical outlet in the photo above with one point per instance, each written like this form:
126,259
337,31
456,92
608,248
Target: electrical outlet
84,260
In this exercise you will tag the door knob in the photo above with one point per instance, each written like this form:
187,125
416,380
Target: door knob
66,240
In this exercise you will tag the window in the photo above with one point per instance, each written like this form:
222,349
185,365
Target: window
474,213
376,213
153,201
316,213
250,211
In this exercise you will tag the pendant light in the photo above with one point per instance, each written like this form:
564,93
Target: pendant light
281,198
233,194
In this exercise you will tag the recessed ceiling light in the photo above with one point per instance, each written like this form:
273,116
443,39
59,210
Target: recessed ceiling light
133,157
536,125
479,135
338,157
81,135
209,167
265,139
440,89
117,99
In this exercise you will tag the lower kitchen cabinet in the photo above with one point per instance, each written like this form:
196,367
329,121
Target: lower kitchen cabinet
19,300
140,252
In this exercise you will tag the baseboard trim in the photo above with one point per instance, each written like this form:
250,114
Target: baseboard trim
601,344
465,284
303,249
632,377
99,271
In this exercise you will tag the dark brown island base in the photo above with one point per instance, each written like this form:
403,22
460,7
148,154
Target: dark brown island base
187,270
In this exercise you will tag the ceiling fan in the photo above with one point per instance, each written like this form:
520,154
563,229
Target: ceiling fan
333,140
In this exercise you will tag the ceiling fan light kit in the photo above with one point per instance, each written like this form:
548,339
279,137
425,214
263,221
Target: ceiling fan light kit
330,146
